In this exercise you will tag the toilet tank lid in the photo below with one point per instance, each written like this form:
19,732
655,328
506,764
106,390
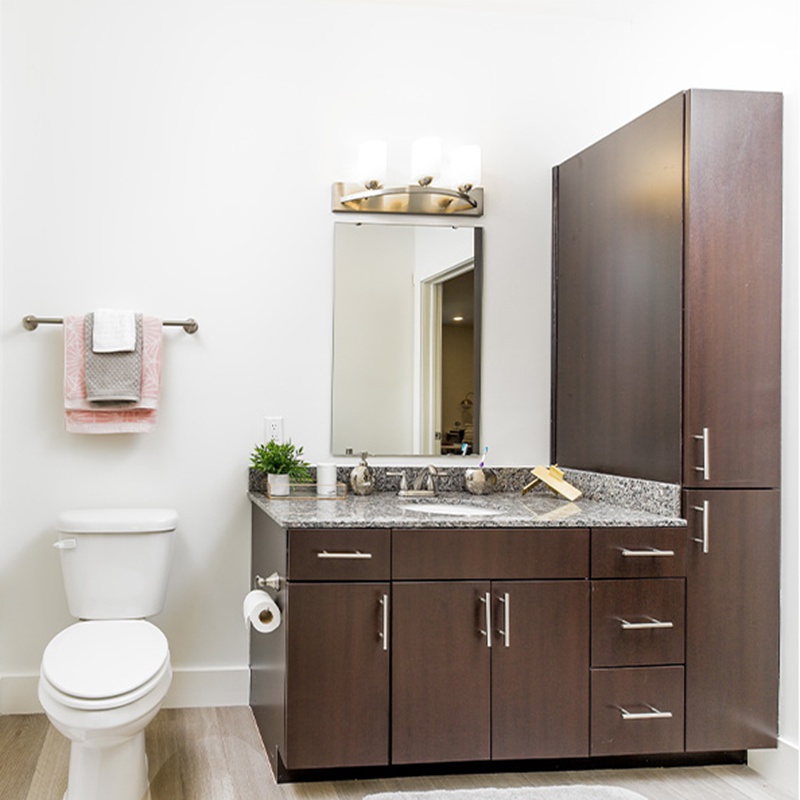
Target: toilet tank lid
117,520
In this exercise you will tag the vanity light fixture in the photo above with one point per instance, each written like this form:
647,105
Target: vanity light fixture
422,196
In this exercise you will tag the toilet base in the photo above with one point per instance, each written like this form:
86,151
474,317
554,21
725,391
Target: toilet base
117,771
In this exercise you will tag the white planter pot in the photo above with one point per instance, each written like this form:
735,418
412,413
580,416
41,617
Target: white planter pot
278,485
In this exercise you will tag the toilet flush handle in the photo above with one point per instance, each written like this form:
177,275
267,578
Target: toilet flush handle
66,544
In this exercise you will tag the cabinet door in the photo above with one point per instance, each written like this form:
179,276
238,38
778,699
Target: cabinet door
733,290
337,675
440,672
732,611
617,262
540,670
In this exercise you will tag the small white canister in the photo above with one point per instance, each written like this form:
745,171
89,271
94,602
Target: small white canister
326,480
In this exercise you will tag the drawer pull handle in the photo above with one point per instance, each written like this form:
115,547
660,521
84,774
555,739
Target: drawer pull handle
651,552
505,632
641,626
653,713
384,634
487,608
704,511
345,554
705,469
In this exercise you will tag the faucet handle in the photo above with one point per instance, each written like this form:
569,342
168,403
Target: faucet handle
430,473
403,479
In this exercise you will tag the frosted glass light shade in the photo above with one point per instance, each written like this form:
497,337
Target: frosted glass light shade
466,165
426,159
372,162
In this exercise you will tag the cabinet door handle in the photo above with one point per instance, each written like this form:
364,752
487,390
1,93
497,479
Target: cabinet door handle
504,632
704,511
650,624
384,633
487,618
651,552
705,469
653,713
343,554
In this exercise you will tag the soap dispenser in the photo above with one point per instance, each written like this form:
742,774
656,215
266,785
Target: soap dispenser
362,480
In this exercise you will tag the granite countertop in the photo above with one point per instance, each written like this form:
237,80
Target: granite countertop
511,510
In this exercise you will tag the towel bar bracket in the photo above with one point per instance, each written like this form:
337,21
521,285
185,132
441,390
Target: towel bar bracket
31,323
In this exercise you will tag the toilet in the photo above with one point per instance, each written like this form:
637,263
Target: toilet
104,678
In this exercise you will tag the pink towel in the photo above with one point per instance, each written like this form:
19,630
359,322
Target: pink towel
81,416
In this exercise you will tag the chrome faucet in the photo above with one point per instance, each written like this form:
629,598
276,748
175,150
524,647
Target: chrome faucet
426,476
424,484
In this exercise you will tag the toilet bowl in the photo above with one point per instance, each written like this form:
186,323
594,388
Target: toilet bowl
104,678
101,683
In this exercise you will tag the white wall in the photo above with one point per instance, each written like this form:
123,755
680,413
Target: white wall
177,156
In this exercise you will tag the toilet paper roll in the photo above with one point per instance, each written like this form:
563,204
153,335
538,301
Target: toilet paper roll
261,611
326,480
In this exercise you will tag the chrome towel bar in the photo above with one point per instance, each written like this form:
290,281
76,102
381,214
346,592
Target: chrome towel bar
31,323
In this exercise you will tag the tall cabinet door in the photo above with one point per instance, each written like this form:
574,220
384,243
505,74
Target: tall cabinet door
337,675
617,267
732,290
540,670
440,671
732,619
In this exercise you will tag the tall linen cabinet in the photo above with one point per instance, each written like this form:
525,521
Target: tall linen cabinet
666,366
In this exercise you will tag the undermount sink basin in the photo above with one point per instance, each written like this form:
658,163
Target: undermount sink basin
451,509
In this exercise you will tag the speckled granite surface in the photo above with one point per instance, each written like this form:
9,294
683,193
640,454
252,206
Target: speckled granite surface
608,500
657,498
499,510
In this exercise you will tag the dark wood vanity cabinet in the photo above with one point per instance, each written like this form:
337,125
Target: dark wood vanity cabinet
414,646
666,365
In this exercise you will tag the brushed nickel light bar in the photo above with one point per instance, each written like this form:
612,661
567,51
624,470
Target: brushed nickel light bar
369,195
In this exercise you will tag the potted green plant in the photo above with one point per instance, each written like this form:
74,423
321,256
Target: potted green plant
282,462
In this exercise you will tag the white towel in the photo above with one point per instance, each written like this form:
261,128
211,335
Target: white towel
114,331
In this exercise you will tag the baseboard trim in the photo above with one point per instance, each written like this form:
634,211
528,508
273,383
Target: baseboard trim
191,688
779,767
197,688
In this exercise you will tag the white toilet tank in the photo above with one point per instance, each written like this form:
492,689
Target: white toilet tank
115,561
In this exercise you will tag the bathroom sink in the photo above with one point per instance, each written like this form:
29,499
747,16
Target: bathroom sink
451,509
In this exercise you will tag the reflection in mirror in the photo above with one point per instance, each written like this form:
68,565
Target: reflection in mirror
406,339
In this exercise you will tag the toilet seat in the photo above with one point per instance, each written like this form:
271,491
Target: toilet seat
102,664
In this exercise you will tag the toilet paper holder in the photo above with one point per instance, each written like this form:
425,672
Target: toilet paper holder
274,581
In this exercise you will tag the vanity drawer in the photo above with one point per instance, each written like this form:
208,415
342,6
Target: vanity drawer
340,554
638,622
637,710
490,553
638,552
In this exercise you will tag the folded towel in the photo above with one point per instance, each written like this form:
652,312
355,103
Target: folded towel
114,331
113,377
81,416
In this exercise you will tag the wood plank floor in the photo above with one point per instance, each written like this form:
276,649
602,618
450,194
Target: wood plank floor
216,754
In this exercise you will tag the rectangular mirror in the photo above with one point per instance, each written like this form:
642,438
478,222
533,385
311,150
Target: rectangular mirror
406,339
